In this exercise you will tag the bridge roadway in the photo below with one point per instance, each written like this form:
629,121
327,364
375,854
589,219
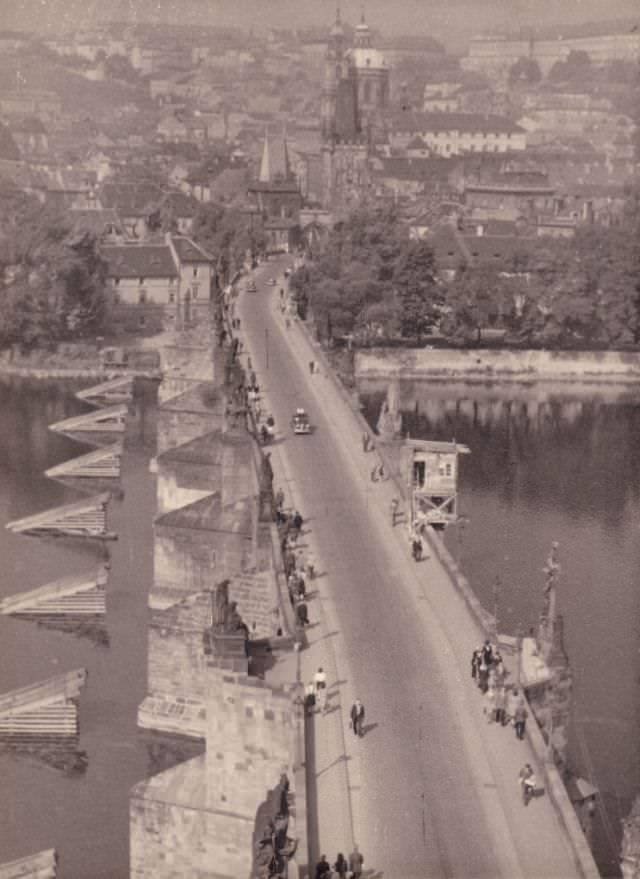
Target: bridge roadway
431,789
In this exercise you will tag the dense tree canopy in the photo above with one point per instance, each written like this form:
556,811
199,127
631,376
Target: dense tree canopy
370,280
576,68
52,281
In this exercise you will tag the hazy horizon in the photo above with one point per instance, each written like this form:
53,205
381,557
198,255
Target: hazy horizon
451,21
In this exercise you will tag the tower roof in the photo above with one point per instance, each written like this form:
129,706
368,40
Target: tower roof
275,159
336,28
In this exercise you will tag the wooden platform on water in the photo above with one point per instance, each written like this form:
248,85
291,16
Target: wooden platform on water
109,393
43,710
81,596
99,427
104,463
40,866
86,518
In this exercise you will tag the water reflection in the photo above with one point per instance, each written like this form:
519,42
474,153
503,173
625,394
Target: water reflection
553,462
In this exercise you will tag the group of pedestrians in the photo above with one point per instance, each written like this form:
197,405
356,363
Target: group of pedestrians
299,566
342,868
504,705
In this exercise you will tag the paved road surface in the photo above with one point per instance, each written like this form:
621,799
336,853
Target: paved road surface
421,793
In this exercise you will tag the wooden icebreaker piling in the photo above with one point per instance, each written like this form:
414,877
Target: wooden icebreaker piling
46,709
43,865
83,595
101,464
86,518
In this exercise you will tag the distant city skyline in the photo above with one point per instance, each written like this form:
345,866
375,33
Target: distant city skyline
451,21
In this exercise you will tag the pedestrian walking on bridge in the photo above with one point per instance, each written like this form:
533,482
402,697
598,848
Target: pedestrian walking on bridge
395,503
310,566
341,866
520,718
528,781
323,868
357,718
302,613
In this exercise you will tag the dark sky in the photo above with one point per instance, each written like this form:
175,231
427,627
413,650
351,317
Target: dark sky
452,21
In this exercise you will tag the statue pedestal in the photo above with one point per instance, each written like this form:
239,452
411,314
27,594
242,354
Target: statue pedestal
229,651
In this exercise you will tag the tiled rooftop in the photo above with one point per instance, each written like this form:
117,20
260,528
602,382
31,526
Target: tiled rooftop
139,261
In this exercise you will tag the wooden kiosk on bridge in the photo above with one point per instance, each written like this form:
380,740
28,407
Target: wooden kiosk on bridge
432,479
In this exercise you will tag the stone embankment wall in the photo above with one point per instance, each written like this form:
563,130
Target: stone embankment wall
506,365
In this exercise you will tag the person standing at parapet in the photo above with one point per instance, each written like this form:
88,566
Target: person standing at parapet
320,682
356,861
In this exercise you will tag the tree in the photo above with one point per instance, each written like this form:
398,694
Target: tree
474,300
414,278
576,68
53,283
353,270
526,71
160,217
228,235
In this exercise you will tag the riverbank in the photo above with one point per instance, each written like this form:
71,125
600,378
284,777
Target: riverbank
483,365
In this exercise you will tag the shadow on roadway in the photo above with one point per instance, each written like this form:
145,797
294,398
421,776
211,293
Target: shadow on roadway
367,728
341,759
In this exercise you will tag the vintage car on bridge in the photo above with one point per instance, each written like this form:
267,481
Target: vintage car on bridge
300,421
251,286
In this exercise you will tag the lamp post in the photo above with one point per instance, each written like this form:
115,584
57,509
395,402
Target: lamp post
497,591
519,637
266,348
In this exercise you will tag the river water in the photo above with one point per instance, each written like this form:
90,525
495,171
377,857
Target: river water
43,804
554,462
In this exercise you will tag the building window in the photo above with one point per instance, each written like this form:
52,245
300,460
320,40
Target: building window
142,297
172,296
195,271
195,292
140,280
116,298
116,281
142,320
